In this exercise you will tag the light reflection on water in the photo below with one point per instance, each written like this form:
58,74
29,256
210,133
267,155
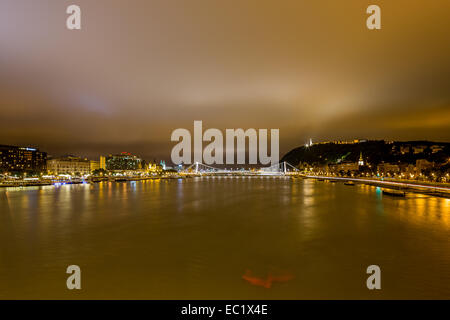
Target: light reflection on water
195,238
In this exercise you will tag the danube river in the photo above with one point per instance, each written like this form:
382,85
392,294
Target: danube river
196,239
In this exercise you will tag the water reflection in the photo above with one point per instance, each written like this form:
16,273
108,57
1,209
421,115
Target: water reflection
195,238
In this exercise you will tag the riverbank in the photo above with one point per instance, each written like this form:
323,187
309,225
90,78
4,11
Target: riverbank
438,189
38,183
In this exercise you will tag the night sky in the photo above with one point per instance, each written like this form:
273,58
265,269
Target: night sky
140,69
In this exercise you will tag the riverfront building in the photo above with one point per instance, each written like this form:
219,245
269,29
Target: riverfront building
69,165
102,162
122,162
95,165
14,159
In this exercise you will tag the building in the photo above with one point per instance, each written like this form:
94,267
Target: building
94,164
154,168
436,148
388,168
361,160
13,158
423,164
102,162
419,149
354,141
123,161
344,166
405,149
69,165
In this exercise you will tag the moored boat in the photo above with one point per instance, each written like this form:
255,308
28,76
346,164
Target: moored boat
394,193
76,181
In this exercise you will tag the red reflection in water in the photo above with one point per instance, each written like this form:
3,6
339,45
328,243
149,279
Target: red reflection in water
266,283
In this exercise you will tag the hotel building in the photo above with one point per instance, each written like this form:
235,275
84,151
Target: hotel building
69,165
13,159
122,162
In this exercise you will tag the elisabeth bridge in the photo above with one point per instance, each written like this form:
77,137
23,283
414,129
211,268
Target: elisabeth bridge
279,169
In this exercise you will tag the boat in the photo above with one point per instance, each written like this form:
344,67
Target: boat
76,181
394,193
349,183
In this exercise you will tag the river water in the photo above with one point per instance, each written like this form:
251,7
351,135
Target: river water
196,239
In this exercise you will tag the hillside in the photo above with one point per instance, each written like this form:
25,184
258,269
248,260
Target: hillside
373,152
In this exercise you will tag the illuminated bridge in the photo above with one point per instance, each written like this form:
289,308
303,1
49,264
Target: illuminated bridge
279,169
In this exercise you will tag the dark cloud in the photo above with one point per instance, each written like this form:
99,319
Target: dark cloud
139,69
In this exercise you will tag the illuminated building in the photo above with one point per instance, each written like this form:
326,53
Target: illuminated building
69,165
388,168
123,161
354,141
423,164
95,165
154,168
405,149
344,166
436,148
360,161
14,158
419,149
102,162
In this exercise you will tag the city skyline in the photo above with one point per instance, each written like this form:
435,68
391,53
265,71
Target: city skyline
308,144
134,73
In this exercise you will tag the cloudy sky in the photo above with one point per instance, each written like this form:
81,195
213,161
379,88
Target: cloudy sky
139,69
